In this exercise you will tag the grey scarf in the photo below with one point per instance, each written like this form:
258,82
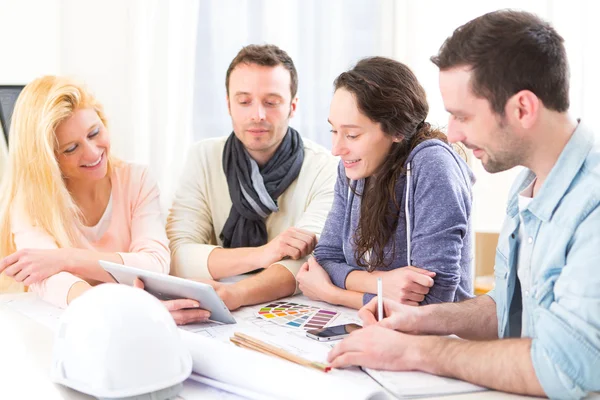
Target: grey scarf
254,191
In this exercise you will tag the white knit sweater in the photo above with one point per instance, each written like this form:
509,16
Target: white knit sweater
202,204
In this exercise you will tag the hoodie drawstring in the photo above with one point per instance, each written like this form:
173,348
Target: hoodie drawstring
407,216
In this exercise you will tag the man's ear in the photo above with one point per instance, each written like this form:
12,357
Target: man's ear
293,107
228,105
524,108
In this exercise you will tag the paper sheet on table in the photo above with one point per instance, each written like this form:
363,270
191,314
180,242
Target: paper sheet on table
268,375
233,391
33,307
193,390
414,384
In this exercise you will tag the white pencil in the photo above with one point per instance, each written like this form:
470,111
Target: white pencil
379,299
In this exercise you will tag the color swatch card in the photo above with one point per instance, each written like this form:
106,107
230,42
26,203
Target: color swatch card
294,315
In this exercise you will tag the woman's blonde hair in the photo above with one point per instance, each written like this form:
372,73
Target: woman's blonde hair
32,179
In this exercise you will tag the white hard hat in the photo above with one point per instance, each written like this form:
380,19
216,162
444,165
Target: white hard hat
116,341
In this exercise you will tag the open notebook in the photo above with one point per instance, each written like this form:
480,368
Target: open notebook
419,384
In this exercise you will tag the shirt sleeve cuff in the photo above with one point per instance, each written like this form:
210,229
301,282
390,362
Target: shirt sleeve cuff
492,294
190,261
145,261
367,297
338,278
55,289
554,381
293,266
559,356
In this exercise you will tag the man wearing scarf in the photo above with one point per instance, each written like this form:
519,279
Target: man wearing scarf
258,198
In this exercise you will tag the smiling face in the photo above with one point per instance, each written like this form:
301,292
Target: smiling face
83,146
260,105
474,123
356,139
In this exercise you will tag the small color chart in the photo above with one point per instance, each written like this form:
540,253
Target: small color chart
294,315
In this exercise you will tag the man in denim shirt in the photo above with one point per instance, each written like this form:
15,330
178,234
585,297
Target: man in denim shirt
504,79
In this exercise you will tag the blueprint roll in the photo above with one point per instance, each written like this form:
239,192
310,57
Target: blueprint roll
263,374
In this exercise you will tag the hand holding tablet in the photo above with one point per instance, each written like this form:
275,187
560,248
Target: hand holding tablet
183,311
173,290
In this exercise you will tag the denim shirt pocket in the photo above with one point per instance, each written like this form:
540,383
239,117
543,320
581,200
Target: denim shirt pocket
543,291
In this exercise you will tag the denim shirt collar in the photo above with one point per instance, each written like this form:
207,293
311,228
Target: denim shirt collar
560,178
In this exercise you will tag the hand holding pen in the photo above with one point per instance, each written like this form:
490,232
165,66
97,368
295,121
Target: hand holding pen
396,316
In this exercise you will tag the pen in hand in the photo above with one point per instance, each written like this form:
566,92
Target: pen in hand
379,299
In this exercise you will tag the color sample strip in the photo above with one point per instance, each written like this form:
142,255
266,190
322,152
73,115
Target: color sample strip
294,315
320,319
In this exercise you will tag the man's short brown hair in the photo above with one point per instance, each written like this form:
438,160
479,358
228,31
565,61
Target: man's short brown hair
267,55
509,51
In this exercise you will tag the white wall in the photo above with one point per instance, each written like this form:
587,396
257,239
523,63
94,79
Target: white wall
87,39
30,45
30,39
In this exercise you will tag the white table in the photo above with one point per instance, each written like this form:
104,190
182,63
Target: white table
25,359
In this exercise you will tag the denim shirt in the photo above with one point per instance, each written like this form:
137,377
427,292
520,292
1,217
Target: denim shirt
562,234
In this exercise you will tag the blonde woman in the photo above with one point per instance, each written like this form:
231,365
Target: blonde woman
66,203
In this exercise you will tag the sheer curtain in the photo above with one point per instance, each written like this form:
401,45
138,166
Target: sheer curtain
323,38
159,66
326,38
138,57
163,70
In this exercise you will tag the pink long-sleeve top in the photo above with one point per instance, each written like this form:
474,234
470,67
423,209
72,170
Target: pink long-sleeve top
135,231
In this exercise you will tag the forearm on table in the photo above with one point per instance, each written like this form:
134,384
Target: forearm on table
363,281
274,282
84,263
471,319
76,290
504,365
347,298
223,263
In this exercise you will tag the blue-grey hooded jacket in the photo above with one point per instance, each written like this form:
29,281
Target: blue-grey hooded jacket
434,225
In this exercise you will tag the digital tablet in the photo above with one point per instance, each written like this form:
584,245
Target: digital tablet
167,287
